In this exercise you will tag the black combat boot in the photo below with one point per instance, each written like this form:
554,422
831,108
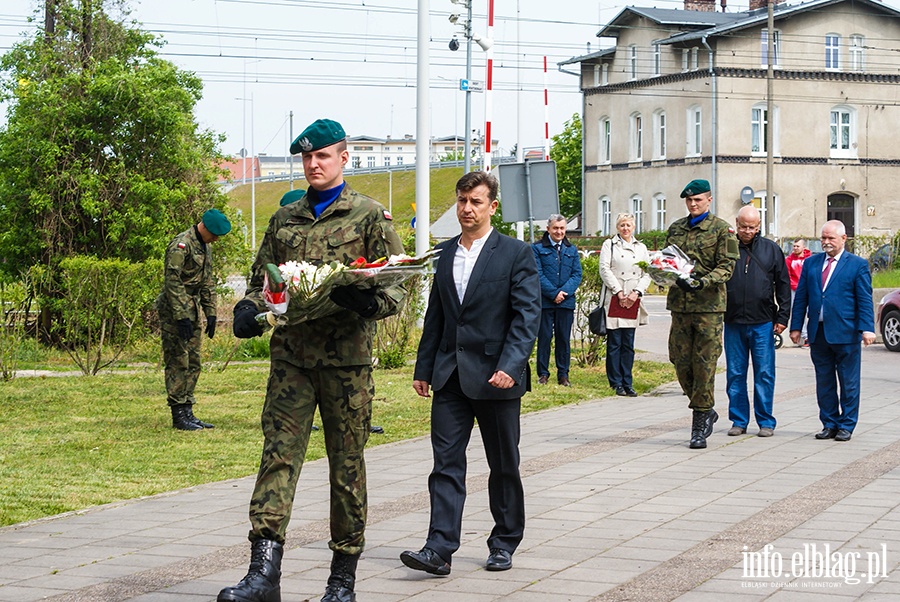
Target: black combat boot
195,420
181,419
342,579
263,581
702,428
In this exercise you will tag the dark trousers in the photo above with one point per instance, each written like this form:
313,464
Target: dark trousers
836,364
452,417
555,322
619,357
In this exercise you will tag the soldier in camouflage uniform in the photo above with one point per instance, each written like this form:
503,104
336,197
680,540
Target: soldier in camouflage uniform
188,290
324,363
698,304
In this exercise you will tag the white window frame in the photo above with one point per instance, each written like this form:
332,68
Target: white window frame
637,210
685,59
659,134
657,59
637,137
604,215
632,62
596,75
832,52
604,74
695,58
605,147
659,211
694,131
857,53
764,48
759,201
387,161
841,121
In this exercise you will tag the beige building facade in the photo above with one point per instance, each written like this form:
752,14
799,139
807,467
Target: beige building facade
683,94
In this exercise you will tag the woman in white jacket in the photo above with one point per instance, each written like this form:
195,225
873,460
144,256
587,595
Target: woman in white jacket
625,281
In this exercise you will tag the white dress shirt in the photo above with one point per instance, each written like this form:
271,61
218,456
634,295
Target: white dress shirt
464,263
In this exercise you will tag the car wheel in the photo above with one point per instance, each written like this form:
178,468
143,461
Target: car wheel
890,330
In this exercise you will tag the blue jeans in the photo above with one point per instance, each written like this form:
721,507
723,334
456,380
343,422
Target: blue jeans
619,356
556,322
756,342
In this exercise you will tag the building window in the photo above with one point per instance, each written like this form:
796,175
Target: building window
659,138
759,118
857,53
685,57
637,209
605,140
843,132
605,216
596,75
637,137
632,61
356,162
764,48
400,160
833,51
604,74
370,161
695,58
694,131
657,59
760,202
387,161
659,212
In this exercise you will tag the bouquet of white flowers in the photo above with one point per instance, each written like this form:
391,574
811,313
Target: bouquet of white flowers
298,291
668,265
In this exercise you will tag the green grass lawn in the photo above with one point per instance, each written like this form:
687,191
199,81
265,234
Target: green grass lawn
68,443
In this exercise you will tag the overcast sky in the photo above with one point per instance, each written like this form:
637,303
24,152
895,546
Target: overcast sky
355,61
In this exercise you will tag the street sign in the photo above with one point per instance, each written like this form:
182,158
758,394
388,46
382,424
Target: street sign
514,190
471,85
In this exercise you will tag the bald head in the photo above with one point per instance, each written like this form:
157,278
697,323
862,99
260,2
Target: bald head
747,223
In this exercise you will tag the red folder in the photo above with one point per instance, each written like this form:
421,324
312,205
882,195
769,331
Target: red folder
617,310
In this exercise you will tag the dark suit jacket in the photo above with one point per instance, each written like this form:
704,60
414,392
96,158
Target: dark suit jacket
495,326
846,303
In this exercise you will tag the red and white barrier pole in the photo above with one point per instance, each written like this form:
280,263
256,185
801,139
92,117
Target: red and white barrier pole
546,116
488,100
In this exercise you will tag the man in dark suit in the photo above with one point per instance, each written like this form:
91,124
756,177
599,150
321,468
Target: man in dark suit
835,292
483,316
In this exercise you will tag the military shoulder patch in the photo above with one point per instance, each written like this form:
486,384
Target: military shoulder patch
387,215
730,230
181,245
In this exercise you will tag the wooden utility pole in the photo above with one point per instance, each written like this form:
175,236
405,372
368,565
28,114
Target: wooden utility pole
49,19
86,33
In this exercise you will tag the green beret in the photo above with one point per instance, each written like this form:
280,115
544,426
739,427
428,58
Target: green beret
291,196
319,134
695,187
216,222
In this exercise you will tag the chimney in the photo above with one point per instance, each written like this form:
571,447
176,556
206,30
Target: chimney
703,5
761,4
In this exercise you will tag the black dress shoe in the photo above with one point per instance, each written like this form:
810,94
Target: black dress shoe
842,435
499,560
826,433
630,392
543,380
620,391
564,382
426,560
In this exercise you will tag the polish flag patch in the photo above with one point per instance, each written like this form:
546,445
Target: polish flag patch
387,215
181,245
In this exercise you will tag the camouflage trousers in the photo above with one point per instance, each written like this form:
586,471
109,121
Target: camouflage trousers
344,398
182,365
695,344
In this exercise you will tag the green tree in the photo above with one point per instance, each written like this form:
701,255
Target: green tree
566,152
100,154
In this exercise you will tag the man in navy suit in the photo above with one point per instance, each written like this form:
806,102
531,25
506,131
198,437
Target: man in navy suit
480,326
835,292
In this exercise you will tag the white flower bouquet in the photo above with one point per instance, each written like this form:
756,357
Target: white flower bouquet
298,291
667,266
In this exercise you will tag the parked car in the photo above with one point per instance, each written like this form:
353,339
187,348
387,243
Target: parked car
883,258
889,320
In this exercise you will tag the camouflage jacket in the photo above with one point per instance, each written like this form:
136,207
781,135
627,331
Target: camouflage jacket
353,226
713,247
188,280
